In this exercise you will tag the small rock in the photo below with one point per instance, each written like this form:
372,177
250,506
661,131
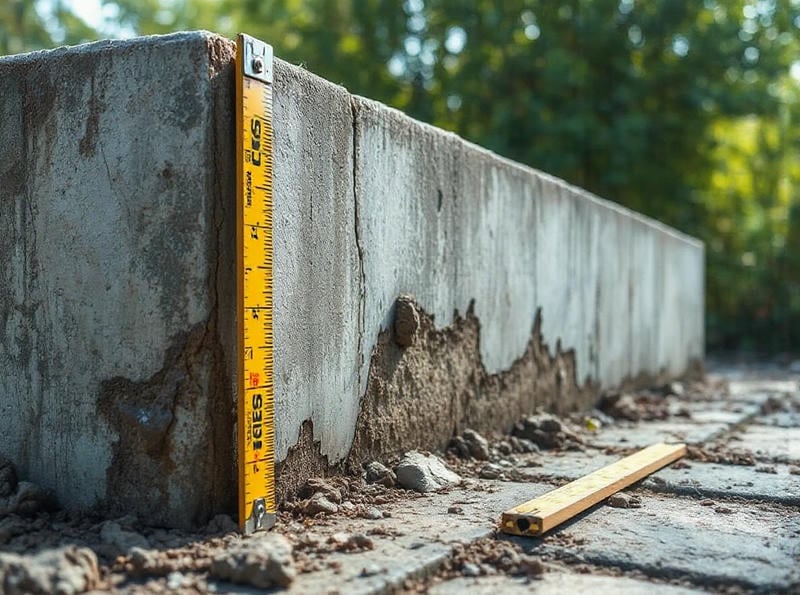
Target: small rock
490,471
11,526
424,473
523,445
530,566
623,500
371,570
64,570
120,540
455,510
504,448
373,513
549,424
545,430
221,523
8,478
723,509
794,470
478,445
460,447
470,569
675,389
345,542
27,500
319,504
766,469
707,502
147,562
175,581
406,321
379,473
317,485
347,506
621,406
263,562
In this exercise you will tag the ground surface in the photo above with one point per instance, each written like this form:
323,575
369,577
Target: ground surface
724,519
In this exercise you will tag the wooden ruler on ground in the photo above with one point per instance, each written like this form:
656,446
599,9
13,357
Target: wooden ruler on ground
541,514
256,398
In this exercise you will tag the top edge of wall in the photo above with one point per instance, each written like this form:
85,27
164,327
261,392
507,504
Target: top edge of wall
105,45
368,106
364,106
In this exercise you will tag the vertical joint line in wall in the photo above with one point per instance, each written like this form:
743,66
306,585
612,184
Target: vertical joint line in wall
359,247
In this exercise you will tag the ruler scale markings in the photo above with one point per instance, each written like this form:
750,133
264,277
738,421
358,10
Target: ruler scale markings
254,140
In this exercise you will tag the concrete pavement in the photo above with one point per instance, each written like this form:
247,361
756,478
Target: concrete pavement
723,519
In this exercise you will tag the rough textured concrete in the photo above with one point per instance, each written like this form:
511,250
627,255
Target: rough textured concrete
690,478
770,442
693,542
110,207
317,281
557,583
117,307
619,289
379,539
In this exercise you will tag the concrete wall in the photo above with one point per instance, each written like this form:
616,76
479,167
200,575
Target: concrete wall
116,301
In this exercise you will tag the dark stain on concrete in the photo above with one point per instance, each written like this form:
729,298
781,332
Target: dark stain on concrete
195,381
154,451
221,179
87,144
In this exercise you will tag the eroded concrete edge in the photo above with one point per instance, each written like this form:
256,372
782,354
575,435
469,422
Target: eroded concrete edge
403,403
161,421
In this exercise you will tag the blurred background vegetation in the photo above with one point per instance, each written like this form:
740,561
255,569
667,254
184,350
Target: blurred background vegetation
686,110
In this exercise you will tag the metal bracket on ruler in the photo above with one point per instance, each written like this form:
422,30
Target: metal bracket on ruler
259,518
257,61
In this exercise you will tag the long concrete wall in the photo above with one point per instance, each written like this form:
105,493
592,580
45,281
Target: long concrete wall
116,294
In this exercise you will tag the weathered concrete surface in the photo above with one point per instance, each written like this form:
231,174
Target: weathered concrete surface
769,442
114,388
317,275
678,538
691,478
557,583
639,436
116,198
434,222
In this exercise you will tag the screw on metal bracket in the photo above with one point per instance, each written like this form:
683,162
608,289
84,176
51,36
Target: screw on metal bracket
259,519
257,59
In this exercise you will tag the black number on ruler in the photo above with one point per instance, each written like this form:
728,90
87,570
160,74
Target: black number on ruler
257,420
253,232
248,353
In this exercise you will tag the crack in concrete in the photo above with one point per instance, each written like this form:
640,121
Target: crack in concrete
362,281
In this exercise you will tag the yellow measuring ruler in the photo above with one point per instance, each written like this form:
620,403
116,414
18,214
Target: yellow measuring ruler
256,395
541,514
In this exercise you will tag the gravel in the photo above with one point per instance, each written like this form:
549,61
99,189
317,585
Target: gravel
63,570
262,561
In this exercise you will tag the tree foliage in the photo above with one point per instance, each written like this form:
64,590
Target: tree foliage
682,109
